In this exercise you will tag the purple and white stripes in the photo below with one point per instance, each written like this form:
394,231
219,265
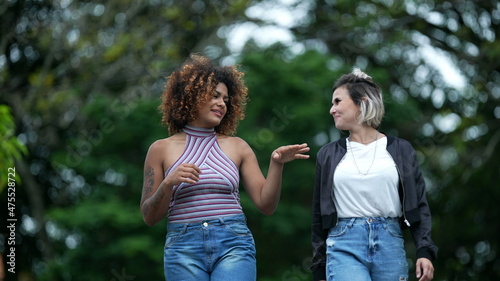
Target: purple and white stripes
216,193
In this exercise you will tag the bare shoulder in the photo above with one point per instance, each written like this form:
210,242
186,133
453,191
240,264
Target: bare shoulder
160,144
171,141
234,147
243,145
232,142
168,149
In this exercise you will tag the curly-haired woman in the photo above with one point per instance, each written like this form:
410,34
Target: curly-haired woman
192,177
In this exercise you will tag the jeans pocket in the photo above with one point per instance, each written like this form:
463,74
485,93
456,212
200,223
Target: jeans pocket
337,230
239,229
394,229
172,237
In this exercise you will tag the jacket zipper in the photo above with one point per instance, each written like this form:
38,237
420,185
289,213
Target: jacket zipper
404,194
332,196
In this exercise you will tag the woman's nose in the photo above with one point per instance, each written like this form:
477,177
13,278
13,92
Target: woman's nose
221,102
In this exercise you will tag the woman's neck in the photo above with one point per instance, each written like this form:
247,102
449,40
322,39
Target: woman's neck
364,135
203,123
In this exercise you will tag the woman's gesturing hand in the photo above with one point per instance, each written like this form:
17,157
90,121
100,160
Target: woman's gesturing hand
289,153
185,172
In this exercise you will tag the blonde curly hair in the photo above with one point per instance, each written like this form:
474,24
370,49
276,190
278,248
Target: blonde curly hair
194,84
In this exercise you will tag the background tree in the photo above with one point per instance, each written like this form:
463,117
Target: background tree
11,148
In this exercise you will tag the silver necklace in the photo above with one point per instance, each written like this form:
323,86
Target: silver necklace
373,160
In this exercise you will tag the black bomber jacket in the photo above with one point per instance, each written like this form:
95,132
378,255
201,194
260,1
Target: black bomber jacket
416,213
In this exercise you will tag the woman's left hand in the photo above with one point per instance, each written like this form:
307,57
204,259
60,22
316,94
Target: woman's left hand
425,269
289,153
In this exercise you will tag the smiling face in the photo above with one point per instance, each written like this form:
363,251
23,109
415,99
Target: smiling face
210,113
344,111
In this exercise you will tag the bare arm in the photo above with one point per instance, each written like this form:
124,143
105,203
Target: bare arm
265,192
156,190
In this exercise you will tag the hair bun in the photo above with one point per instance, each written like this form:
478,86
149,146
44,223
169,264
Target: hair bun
360,74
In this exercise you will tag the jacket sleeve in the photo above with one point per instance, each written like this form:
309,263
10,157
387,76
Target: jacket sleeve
421,230
318,235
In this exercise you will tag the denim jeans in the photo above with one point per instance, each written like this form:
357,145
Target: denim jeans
216,250
366,249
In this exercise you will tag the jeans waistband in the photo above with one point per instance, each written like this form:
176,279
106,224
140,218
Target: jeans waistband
210,222
368,220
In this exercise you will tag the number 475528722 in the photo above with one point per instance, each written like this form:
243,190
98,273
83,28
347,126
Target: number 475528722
11,191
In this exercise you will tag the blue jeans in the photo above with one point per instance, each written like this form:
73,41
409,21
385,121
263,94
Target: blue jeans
216,250
366,249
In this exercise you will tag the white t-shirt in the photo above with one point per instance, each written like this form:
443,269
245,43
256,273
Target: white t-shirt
372,195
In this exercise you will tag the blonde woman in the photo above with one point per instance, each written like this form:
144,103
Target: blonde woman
368,188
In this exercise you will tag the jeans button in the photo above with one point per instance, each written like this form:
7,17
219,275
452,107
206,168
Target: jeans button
205,224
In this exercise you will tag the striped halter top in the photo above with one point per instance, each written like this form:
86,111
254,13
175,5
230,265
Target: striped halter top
216,193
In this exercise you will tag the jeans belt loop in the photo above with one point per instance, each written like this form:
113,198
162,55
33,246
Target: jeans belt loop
351,222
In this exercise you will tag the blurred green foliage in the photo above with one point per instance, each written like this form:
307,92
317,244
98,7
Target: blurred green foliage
11,148
83,81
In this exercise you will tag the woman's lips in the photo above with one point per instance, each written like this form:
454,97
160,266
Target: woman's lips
217,112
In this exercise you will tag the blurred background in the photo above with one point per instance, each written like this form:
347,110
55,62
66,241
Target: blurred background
80,84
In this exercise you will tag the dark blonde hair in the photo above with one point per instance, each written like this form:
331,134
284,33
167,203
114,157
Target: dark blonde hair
194,84
366,94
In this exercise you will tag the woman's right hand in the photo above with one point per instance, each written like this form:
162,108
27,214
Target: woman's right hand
185,172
